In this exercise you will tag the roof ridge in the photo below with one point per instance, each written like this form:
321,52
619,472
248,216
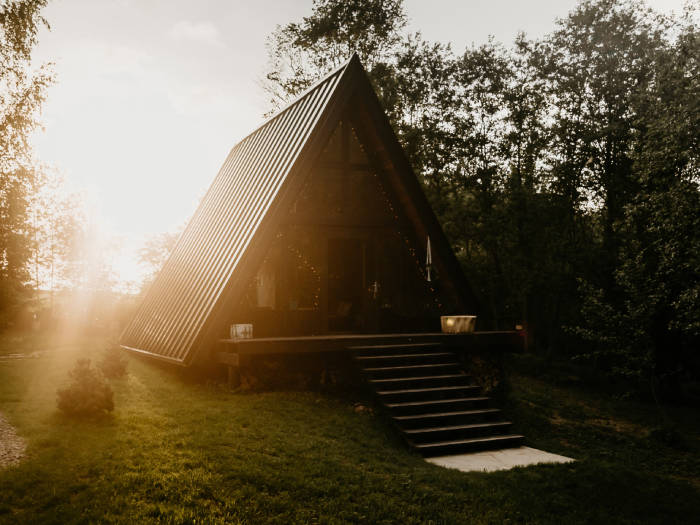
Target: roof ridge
339,70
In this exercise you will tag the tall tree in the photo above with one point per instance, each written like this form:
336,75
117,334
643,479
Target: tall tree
299,52
22,91
649,329
599,58
57,221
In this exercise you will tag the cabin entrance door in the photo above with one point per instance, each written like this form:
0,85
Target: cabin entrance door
350,280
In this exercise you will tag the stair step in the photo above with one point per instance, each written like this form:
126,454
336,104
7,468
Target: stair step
427,394
446,417
398,371
421,406
401,345
408,367
412,431
437,389
436,402
431,400
437,380
469,445
403,356
456,432
384,359
482,411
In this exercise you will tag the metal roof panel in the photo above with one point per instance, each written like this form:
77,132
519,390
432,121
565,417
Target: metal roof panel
193,279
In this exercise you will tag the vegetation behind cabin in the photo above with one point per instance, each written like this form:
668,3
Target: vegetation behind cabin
563,169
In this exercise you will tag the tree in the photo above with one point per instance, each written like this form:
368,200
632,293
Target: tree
155,252
298,52
22,91
597,61
652,332
57,248
649,328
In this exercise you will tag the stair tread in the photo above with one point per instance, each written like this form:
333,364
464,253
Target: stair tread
457,427
419,378
400,345
447,414
469,441
434,389
435,401
425,390
408,367
401,356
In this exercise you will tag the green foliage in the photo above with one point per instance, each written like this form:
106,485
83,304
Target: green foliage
327,38
618,339
651,326
88,394
40,228
57,244
22,91
113,365
660,261
565,160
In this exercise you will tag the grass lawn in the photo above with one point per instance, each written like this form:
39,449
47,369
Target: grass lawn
180,451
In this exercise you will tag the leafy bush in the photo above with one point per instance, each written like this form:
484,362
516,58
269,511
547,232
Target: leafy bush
648,327
113,365
88,394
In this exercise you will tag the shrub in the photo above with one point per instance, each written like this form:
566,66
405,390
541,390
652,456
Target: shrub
88,394
113,365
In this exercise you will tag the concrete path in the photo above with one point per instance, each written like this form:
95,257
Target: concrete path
504,459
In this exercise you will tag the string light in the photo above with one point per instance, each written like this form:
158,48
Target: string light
316,275
411,249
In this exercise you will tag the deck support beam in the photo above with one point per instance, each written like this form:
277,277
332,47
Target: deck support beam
233,363
234,376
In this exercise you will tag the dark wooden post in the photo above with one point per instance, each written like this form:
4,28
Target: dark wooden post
232,362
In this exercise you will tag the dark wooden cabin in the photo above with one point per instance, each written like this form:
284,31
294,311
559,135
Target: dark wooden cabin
316,231
315,225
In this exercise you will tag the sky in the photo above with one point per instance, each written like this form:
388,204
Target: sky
152,94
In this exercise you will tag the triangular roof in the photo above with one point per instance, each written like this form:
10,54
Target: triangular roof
234,220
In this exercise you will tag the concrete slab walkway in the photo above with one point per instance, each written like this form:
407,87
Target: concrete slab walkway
492,460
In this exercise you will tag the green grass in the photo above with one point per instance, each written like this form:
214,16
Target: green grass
180,451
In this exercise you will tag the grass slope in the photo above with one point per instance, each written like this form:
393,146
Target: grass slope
176,451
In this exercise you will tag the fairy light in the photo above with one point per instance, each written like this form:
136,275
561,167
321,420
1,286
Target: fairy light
303,262
409,246
316,274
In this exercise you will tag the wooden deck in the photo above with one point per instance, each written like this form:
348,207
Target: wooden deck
229,350
419,379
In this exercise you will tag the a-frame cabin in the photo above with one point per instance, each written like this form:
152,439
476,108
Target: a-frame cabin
315,231
315,224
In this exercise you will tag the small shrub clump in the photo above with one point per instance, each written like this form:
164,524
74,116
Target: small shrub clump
113,365
88,394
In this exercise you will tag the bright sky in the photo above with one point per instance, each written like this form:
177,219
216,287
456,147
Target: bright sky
152,94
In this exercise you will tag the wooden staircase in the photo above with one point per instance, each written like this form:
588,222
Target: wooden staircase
434,404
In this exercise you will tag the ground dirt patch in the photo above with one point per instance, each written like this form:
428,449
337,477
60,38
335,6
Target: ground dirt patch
11,445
